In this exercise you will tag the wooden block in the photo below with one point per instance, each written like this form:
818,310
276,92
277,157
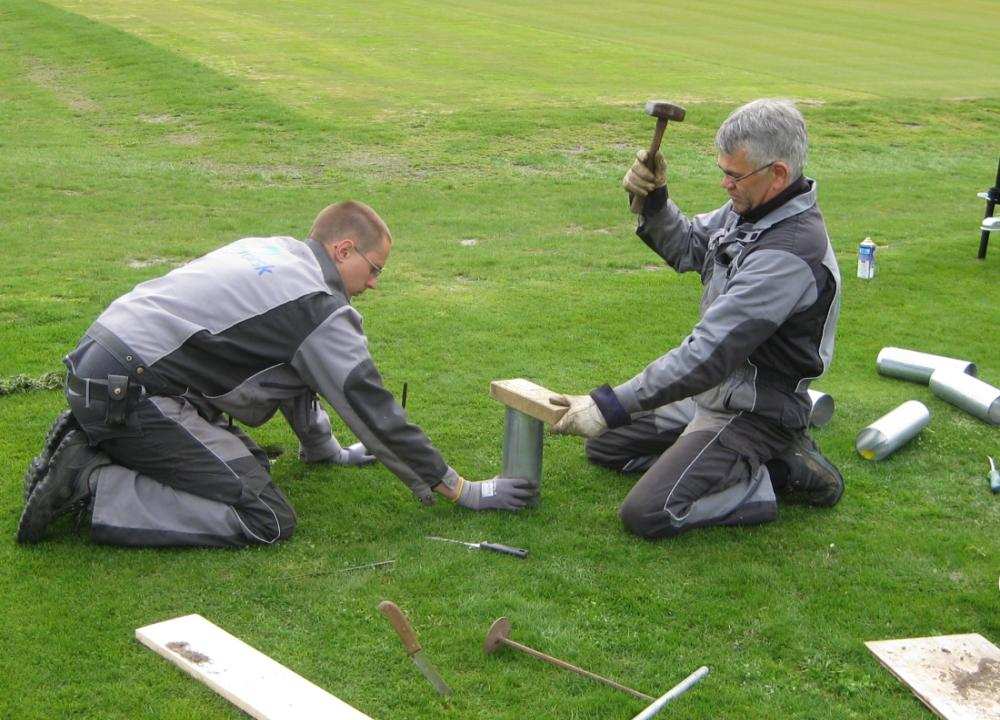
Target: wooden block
249,679
956,676
527,397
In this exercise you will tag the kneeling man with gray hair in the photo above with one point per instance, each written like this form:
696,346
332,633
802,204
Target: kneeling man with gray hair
718,425
258,326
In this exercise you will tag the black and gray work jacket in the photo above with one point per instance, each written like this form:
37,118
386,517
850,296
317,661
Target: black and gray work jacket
768,313
264,324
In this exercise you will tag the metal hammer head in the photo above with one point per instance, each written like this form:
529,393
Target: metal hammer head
665,110
499,631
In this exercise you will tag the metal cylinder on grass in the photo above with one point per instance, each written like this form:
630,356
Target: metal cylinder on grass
968,393
918,366
893,430
522,449
822,408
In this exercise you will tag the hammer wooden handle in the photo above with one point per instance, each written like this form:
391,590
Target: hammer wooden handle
401,625
654,147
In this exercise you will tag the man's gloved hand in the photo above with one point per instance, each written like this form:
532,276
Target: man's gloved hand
640,181
583,418
355,455
496,494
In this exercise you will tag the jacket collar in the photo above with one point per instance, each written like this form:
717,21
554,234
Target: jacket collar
795,199
329,268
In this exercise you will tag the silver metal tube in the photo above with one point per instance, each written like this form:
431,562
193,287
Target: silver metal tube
893,430
917,366
822,408
971,394
522,449
679,689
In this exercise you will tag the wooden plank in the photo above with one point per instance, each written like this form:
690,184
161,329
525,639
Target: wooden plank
956,676
246,677
527,397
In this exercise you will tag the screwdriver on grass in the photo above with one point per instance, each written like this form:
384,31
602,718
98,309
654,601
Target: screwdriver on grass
492,547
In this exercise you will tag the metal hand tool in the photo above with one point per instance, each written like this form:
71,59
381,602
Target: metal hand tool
329,571
405,631
675,692
493,547
663,112
994,476
499,634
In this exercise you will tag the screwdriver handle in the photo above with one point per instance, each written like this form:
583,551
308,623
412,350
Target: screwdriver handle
505,549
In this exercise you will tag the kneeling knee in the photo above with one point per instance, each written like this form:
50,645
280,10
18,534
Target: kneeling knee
644,521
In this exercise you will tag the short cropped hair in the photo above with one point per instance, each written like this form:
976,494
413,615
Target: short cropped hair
350,219
769,130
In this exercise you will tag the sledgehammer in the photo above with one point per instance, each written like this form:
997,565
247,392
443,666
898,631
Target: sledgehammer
663,112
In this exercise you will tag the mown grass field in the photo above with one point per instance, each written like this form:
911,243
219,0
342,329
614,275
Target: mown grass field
136,135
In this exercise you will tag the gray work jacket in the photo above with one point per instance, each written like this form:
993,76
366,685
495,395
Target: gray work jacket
264,324
768,313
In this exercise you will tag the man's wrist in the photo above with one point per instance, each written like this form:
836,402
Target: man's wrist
450,486
655,201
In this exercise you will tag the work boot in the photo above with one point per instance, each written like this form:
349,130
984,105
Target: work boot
802,473
40,464
66,487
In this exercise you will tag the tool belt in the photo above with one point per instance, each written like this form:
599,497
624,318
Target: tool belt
118,391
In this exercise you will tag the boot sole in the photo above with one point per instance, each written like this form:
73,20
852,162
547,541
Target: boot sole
819,465
39,466
39,512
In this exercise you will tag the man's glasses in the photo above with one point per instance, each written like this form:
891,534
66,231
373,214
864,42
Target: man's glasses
738,178
376,270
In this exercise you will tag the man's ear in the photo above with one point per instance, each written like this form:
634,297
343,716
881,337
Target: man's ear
782,174
341,249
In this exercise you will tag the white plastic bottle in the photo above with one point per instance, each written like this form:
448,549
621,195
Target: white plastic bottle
866,259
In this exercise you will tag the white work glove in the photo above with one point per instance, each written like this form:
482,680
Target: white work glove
640,181
583,418
355,455
496,494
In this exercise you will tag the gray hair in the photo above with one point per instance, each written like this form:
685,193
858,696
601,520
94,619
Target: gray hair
770,130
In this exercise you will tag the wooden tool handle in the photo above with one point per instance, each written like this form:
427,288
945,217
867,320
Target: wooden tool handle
637,202
654,145
401,625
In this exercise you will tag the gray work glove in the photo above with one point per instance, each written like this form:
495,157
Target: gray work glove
497,494
583,418
640,181
355,455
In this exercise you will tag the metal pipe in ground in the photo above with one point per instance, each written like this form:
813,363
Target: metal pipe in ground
893,430
970,394
522,449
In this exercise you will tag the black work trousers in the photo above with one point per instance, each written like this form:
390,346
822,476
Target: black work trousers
710,468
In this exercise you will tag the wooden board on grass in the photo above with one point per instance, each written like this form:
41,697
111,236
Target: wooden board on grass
527,397
956,676
258,685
